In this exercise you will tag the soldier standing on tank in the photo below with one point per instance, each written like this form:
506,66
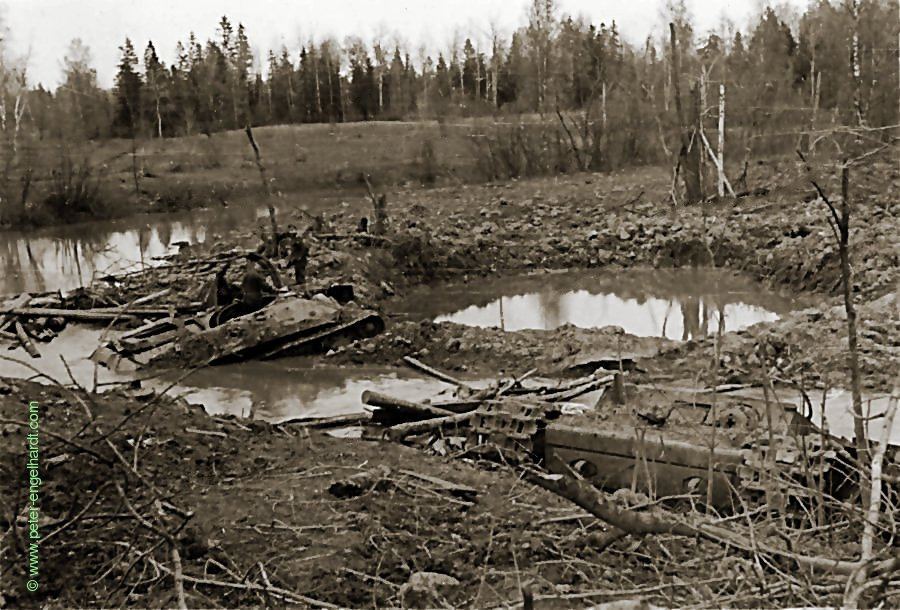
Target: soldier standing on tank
298,260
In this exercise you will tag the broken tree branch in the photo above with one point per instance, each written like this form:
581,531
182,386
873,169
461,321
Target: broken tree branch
25,340
424,368
664,522
265,181
383,401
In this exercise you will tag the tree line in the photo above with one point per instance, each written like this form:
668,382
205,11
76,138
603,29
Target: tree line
837,62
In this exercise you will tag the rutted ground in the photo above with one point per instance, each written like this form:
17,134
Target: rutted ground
259,492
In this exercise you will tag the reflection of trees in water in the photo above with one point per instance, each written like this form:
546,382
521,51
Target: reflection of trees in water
36,270
12,266
164,233
716,288
144,235
690,317
550,305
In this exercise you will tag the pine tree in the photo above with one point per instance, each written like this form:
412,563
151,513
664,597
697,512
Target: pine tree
128,92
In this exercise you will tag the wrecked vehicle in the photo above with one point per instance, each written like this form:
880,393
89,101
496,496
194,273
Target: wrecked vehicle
288,325
676,441
662,439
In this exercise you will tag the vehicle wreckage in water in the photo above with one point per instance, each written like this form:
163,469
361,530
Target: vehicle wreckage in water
662,439
288,325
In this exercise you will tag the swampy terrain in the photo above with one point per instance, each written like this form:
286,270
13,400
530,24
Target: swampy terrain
484,283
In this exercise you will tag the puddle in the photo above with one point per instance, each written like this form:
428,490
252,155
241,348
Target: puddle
288,388
274,390
678,304
838,411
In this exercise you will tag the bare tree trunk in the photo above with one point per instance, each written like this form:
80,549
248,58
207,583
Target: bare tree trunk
495,69
701,114
318,93
158,118
134,168
477,77
854,59
721,167
265,182
689,161
603,106
859,426
817,87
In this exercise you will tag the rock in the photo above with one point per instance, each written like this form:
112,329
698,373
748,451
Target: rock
604,256
426,589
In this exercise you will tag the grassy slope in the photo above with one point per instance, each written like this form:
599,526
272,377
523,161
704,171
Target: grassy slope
202,170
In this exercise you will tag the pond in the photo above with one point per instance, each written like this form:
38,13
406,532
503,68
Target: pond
678,304
272,390
68,256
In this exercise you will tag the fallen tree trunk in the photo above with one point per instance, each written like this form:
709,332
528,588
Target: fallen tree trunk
18,302
335,421
383,401
97,314
401,431
424,368
660,521
26,341
590,386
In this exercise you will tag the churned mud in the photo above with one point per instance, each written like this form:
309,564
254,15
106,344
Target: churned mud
250,501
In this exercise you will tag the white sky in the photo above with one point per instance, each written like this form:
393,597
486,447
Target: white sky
42,29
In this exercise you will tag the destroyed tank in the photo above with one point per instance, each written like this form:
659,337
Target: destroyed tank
671,441
288,325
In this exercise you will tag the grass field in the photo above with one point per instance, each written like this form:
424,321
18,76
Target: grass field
201,170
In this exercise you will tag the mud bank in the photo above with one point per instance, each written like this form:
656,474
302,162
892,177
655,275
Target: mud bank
250,503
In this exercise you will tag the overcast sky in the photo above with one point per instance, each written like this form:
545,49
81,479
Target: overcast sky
42,29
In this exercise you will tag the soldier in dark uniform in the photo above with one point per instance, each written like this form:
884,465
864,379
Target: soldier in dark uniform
298,259
254,289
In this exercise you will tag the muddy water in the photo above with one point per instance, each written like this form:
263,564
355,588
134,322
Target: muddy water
69,256
678,304
288,388
273,390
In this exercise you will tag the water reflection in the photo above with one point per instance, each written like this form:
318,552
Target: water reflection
677,304
70,256
273,390
74,256
289,388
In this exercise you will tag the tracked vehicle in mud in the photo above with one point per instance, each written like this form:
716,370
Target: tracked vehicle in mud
671,441
287,325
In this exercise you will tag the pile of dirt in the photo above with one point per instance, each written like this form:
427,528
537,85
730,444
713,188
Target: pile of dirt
457,347
782,236
809,346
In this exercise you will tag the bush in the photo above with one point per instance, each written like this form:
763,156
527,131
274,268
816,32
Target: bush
74,189
429,169
513,150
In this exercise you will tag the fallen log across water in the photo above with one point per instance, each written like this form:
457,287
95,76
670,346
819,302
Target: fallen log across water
97,314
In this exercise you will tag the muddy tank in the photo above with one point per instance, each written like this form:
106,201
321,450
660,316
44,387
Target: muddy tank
287,326
670,441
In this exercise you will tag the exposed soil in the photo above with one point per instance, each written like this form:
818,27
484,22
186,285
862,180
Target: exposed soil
260,493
